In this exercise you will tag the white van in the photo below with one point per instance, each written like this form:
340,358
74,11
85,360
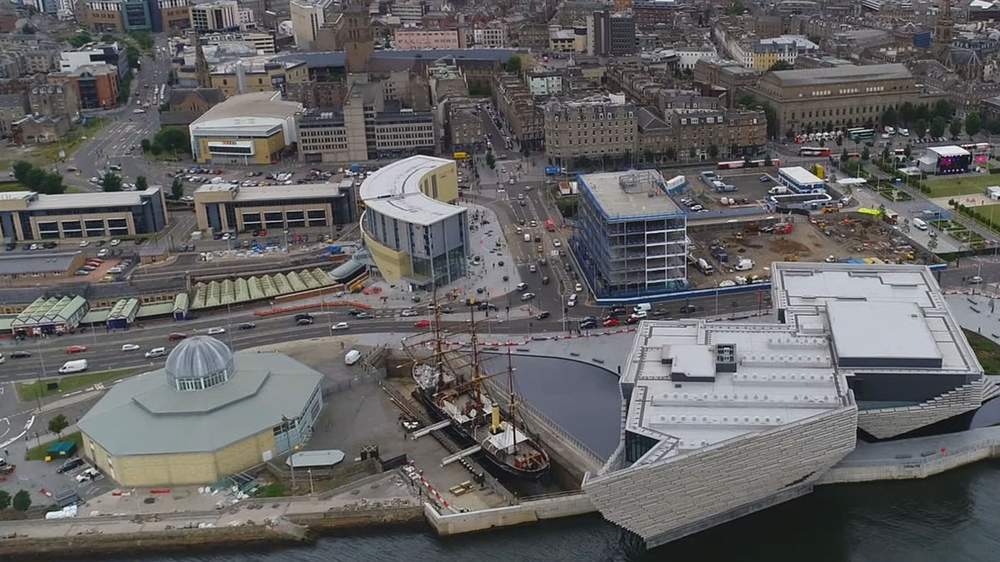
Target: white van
642,307
527,237
919,224
75,366
744,265
352,357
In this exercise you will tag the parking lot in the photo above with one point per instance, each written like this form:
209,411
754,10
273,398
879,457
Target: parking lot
750,191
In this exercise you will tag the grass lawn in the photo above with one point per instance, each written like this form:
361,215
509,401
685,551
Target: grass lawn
38,453
952,186
986,351
8,187
27,391
47,154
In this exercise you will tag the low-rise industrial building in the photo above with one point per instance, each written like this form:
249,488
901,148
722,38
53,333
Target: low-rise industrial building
411,226
21,268
631,239
723,419
208,414
225,207
800,180
245,129
26,215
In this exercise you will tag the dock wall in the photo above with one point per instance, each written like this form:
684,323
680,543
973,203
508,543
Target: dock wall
530,511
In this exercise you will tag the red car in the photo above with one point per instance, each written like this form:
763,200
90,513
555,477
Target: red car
633,319
76,349
176,336
611,323
422,324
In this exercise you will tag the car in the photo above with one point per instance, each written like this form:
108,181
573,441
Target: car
633,319
20,355
975,280
248,326
409,312
364,315
688,309
578,287
176,336
556,243
486,306
542,315
156,352
422,324
532,268
103,253
130,347
116,242
305,321
588,324
216,331
534,224
70,465
76,349
84,243
340,326
527,296
521,286
764,179
88,474
610,323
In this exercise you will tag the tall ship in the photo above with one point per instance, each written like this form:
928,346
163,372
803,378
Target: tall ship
453,389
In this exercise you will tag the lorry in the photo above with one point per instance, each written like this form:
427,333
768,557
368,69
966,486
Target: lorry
334,250
75,366
550,225
703,266
552,170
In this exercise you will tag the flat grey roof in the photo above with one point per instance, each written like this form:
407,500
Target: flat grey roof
861,331
245,106
44,202
144,415
276,192
844,73
16,264
617,203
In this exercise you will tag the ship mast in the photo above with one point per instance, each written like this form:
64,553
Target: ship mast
513,402
438,350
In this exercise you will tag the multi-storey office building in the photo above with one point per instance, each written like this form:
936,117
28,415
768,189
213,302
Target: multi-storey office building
308,16
26,215
631,239
411,226
218,15
227,207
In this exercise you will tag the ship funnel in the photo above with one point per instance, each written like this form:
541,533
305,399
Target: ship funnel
495,419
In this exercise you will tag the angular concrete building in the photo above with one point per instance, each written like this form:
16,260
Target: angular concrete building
727,418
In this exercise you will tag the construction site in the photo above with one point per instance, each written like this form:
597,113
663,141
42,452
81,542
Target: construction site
741,252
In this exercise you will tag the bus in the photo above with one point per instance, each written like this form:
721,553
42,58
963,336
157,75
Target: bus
859,134
460,156
737,164
814,151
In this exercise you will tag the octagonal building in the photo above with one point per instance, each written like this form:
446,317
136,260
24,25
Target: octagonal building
207,414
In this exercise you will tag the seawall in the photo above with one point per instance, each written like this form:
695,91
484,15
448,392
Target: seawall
532,511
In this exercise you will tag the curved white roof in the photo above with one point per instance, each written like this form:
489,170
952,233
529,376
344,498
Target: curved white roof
394,191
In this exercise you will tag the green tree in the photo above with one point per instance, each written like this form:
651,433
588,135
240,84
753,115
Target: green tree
993,126
22,500
21,169
920,128
35,178
943,108
885,154
938,125
58,424
491,160
865,154
177,188
111,182
173,140
140,183
133,56
843,155
973,124
4,500
746,101
907,113
780,65
713,151
955,127
889,117
52,184
735,8
145,144
513,65
80,39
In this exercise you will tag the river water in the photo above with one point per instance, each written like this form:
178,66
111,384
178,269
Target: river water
952,517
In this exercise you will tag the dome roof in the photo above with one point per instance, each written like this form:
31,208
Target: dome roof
198,357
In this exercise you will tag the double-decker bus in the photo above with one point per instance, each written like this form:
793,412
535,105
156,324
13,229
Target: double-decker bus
859,134
814,151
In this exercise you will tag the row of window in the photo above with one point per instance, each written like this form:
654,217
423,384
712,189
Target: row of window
202,383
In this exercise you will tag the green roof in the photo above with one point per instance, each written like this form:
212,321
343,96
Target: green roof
158,309
52,310
247,289
125,308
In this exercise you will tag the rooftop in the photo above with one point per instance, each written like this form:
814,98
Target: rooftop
258,105
18,264
838,74
394,191
948,151
144,415
635,193
800,175
274,192
43,202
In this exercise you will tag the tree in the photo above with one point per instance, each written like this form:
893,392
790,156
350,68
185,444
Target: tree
885,154
145,144
865,154
973,124
21,169
713,151
907,113
937,127
920,128
80,39
140,183
35,178
58,424
172,140
746,101
889,117
767,160
955,127
4,500
993,126
491,160
943,108
513,65
843,155
111,182
177,188
52,184
22,500
780,65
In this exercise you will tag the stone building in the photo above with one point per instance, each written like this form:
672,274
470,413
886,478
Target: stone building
595,127
54,100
